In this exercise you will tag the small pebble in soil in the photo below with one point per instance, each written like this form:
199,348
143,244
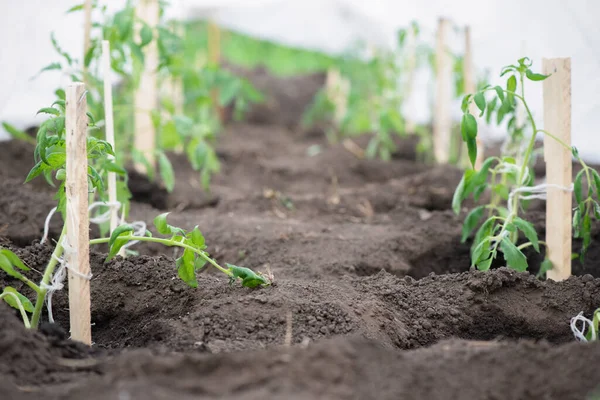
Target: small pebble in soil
587,278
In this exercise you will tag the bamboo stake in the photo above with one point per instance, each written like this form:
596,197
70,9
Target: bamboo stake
110,133
146,95
77,249
442,120
214,58
470,88
87,27
557,121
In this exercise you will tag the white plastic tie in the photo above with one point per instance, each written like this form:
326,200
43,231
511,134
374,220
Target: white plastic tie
104,217
57,281
537,192
47,225
585,323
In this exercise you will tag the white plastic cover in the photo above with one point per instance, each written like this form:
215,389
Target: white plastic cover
502,32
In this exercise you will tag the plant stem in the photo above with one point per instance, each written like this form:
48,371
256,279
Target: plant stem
20,305
170,243
529,244
525,162
41,296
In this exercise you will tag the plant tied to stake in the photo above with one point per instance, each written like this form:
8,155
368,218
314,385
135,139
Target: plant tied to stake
510,179
50,157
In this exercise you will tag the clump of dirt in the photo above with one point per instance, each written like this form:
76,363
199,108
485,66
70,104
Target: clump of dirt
29,358
351,368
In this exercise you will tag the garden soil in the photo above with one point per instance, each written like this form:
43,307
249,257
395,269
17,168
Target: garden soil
373,295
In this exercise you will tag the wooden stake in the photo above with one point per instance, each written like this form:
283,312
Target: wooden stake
470,88
77,249
146,95
110,132
442,120
557,121
214,59
87,27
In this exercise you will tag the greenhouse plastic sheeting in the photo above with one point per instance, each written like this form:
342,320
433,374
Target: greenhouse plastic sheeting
502,32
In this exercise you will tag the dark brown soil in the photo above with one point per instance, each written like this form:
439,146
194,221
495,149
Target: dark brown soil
372,286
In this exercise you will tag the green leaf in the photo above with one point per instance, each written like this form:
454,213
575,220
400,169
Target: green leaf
17,133
545,267
501,190
478,192
78,7
166,171
61,103
529,231
471,221
586,234
119,230
117,169
577,223
480,102
532,76
198,238
10,300
459,193
139,158
116,242
199,263
468,127
577,186
482,251
14,260
515,259
145,35
228,92
597,210
595,180
7,267
485,264
510,227
472,150
511,84
249,278
53,66
89,55
465,103
186,268
48,110
500,93
160,222
371,150
61,174
507,69
575,152
137,53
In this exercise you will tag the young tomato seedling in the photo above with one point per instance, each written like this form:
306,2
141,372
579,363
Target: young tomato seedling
50,157
512,182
